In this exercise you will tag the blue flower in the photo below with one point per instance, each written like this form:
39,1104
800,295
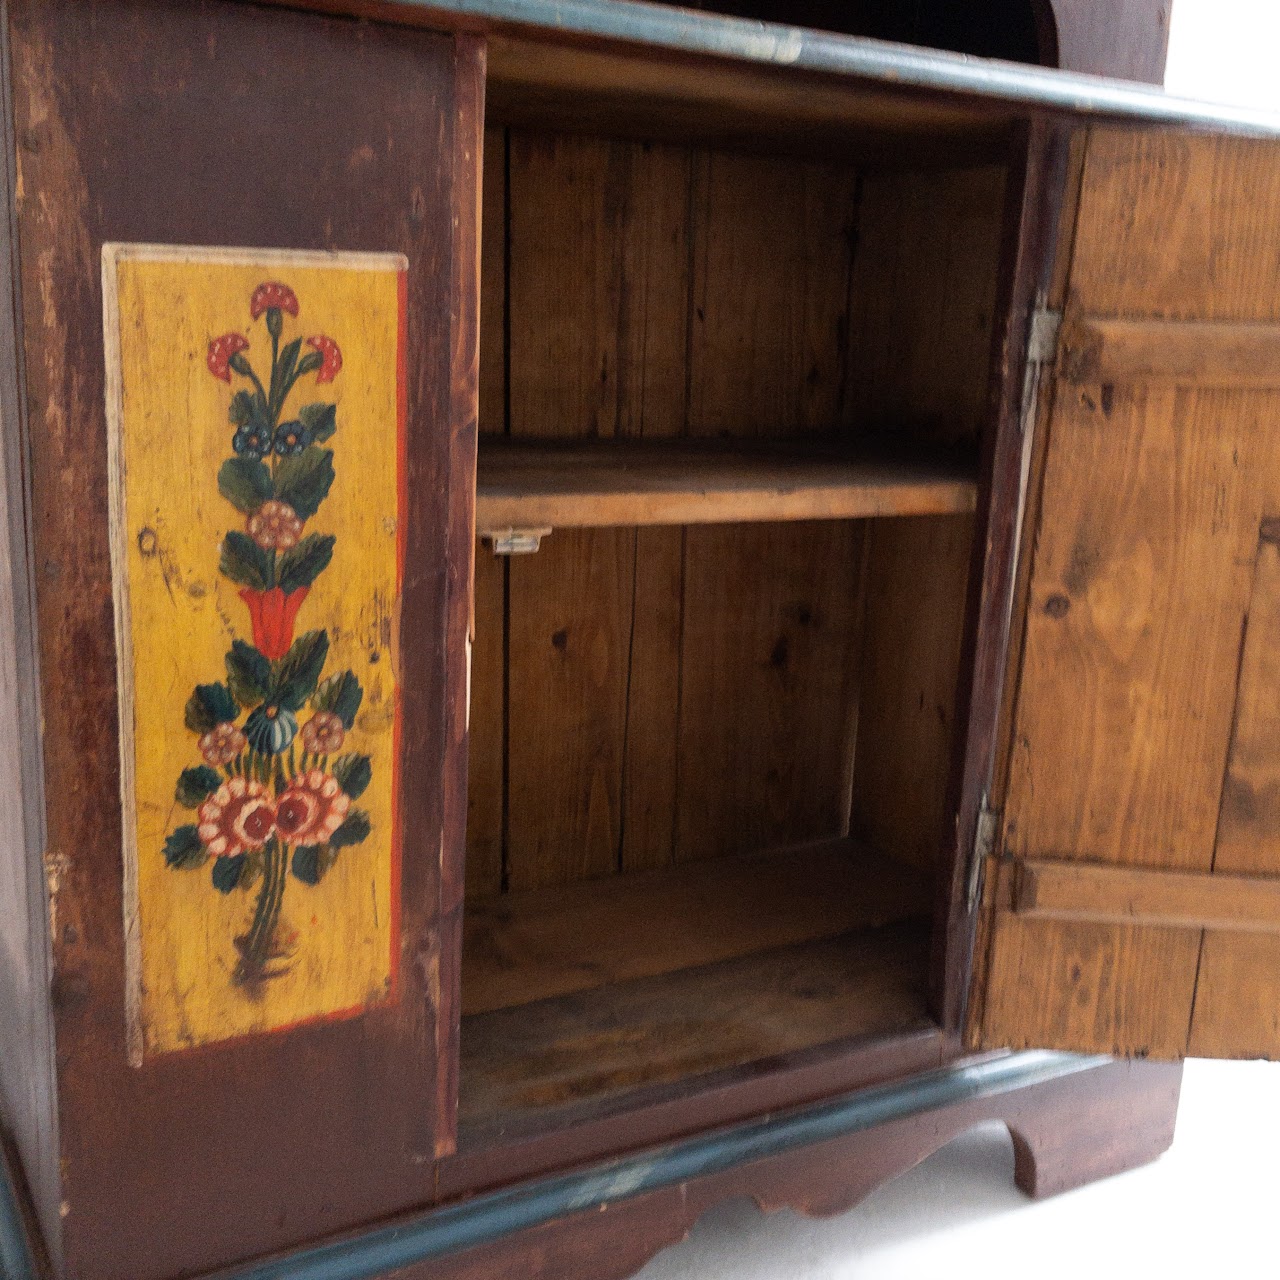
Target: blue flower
252,441
291,437
270,729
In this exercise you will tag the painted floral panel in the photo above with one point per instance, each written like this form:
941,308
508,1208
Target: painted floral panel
256,418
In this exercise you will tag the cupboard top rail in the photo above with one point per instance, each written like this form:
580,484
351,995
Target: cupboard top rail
674,30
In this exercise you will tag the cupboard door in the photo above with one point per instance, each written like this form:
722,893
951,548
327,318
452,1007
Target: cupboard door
1134,905
248,259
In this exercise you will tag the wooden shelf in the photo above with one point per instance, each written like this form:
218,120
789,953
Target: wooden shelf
579,1051
519,948
547,485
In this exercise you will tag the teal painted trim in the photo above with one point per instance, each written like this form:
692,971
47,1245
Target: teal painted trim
485,1218
666,27
16,1260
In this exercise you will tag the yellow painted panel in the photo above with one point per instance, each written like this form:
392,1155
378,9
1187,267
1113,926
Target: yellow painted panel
244,589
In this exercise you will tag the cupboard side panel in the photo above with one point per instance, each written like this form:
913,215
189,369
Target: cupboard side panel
336,136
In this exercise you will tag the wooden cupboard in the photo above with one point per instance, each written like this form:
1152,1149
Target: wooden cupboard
794,511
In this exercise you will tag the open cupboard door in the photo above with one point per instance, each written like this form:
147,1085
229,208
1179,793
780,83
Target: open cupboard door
1133,902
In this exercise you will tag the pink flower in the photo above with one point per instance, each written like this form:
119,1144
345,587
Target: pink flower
275,526
220,352
322,735
270,294
238,816
330,357
221,744
311,808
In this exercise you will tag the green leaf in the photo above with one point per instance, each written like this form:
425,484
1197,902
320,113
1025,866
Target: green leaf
248,674
245,562
245,483
300,669
282,375
312,360
302,564
353,774
311,861
248,408
227,872
183,850
303,480
210,705
319,419
340,694
354,830
196,785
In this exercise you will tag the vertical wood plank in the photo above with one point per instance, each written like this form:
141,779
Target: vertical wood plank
597,346
1237,1003
769,684
923,300
487,755
768,704
915,611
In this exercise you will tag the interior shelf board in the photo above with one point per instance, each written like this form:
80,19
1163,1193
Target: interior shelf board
542,943
590,1046
549,485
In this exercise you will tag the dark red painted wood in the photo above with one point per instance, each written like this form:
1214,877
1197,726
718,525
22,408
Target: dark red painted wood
1065,1132
228,124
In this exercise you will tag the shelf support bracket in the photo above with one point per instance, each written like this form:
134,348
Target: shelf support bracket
514,542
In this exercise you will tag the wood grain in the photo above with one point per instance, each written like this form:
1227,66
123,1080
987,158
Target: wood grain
1095,894
597,272
910,668
526,487
1144,563
1094,350
768,696
1237,1007
689,1023
530,946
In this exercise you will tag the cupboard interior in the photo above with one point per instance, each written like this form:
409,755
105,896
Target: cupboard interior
710,735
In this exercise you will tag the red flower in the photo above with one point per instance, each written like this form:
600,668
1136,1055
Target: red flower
220,352
272,614
331,357
311,808
238,816
271,294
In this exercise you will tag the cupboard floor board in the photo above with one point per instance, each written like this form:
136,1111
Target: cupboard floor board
519,1064
543,943
554,484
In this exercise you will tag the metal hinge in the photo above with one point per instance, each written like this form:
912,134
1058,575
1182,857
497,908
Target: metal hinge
1042,345
984,844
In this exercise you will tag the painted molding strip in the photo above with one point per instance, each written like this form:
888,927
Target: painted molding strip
1200,354
16,1260
800,49
485,1218
1094,894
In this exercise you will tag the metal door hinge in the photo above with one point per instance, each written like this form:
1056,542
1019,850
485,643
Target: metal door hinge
1042,344
984,845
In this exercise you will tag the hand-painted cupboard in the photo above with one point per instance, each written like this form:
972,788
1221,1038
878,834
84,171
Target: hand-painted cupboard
601,603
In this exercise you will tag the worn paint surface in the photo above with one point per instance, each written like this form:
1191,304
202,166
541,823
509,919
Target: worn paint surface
190,919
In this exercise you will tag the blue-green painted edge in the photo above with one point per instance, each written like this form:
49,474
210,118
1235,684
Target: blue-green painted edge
16,1261
485,1218
667,27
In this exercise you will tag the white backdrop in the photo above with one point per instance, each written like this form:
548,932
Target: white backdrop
1206,1209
